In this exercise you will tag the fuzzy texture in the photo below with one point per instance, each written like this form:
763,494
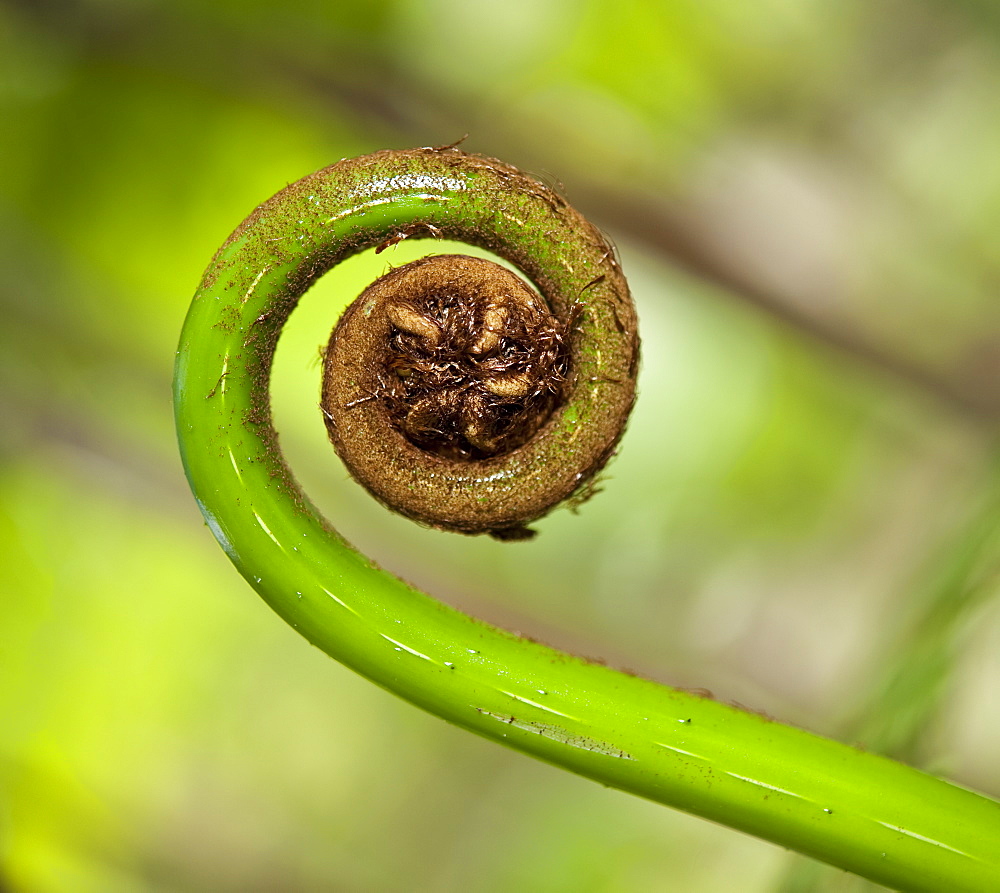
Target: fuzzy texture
463,357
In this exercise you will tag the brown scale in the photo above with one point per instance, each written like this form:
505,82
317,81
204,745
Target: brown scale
472,376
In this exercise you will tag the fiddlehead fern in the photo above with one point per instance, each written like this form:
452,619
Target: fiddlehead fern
855,810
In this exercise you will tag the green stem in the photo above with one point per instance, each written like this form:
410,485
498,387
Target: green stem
861,812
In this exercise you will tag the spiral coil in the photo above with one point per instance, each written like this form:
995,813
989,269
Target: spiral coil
853,809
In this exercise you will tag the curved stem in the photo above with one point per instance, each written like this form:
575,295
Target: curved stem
858,811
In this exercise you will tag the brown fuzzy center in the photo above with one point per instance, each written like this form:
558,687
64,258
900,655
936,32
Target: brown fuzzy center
475,364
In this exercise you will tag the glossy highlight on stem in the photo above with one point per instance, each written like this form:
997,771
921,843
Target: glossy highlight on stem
861,812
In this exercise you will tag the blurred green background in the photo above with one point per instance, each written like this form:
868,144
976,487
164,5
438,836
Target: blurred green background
806,198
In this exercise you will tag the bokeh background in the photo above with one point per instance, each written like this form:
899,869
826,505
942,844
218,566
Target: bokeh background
806,198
